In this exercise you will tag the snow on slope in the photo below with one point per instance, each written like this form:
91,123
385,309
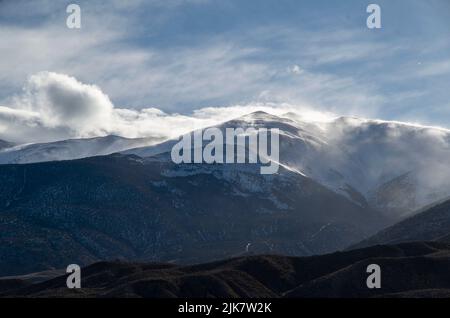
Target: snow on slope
70,149
396,167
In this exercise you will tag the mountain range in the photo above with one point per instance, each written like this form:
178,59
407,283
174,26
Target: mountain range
69,149
340,182
394,167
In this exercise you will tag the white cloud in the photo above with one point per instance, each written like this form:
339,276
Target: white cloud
228,68
55,106
295,69
61,100
131,51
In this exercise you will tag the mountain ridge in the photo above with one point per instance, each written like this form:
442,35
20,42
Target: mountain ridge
70,149
433,224
415,270
361,159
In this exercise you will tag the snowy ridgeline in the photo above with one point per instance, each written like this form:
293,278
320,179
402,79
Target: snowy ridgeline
390,165
393,166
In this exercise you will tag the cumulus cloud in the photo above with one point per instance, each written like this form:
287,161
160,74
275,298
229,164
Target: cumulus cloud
62,101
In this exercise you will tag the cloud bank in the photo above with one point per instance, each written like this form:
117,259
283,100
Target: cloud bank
56,106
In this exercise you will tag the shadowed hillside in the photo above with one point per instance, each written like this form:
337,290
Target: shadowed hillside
125,207
407,270
433,224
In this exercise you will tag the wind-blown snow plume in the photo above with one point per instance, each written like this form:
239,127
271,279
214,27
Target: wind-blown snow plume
384,161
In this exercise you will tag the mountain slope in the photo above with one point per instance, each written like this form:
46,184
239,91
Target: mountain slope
408,270
124,206
430,225
100,208
386,165
70,149
382,164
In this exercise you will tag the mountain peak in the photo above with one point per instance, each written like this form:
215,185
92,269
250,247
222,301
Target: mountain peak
260,115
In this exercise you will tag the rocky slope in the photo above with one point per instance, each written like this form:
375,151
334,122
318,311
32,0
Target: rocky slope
121,206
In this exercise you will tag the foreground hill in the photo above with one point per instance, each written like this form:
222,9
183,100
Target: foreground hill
433,224
408,270
121,206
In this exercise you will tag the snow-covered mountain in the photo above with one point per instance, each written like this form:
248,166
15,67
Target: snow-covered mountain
392,166
395,167
322,199
70,149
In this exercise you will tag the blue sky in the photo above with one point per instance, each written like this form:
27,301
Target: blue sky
179,56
